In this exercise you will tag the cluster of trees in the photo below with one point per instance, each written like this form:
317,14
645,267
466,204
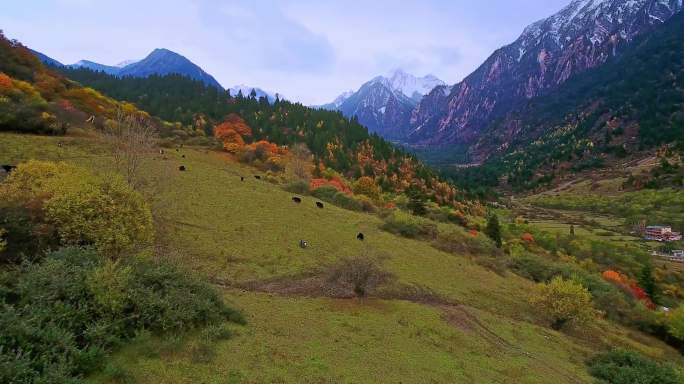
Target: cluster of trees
36,99
239,121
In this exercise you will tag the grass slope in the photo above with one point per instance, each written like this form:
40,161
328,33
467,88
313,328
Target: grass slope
236,232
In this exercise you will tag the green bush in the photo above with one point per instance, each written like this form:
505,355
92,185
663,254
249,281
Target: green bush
61,315
626,367
324,193
345,201
300,187
406,225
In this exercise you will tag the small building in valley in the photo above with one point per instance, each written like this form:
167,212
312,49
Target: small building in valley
661,233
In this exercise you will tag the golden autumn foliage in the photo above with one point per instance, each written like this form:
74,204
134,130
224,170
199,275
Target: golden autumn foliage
366,186
85,209
563,302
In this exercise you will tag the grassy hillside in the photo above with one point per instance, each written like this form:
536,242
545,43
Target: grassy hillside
458,323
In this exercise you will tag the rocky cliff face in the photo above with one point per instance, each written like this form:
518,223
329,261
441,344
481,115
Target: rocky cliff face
549,52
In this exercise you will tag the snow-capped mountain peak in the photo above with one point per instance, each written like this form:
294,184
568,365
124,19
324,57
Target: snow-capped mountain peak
411,86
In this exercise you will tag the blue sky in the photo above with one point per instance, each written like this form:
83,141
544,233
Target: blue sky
308,50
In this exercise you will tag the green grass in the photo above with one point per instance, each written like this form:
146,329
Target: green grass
295,340
238,232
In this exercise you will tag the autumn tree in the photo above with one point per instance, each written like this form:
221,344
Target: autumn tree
563,302
366,186
299,164
132,137
85,209
493,229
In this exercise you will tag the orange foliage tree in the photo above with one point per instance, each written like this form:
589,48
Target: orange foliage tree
235,123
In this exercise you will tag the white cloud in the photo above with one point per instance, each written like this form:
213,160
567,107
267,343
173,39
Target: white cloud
307,50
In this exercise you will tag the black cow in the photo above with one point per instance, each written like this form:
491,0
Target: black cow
297,199
360,236
319,204
242,178
181,168
183,156
257,177
9,168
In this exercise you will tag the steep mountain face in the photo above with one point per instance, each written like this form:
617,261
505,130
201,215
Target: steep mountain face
583,35
384,104
622,111
246,90
45,59
163,62
335,105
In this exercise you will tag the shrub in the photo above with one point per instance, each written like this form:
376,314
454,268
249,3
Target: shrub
345,201
83,208
359,275
324,193
59,316
675,325
300,187
406,225
563,302
626,367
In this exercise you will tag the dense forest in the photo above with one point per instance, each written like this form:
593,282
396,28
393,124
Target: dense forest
335,141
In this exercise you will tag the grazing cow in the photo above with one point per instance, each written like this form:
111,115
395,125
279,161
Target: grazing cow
60,144
242,178
161,151
319,204
183,156
303,244
297,199
181,168
9,168
360,236
257,177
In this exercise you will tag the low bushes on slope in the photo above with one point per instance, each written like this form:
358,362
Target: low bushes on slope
625,367
61,315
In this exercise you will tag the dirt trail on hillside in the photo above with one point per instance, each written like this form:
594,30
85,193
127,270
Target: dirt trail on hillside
455,314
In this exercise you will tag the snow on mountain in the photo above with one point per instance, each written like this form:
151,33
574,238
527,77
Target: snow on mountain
246,90
108,69
384,103
584,34
411,86
126,63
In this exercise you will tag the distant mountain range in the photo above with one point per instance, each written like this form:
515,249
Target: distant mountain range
583,35
159,62
384,104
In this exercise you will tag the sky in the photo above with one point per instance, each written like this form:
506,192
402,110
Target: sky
307,50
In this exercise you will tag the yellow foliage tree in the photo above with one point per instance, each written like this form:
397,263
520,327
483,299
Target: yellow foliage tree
84,208
563,302
366,186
